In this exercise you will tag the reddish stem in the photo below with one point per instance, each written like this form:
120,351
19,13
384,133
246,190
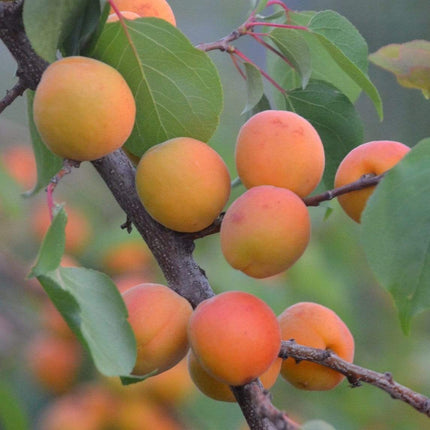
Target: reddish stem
50,199
272,24
270,48
65,170
248,60
279,3
236,64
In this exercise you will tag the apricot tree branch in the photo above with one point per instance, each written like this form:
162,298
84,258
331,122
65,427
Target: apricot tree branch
172,250
369,180
365,181
29,65
356,374
260,402
16,91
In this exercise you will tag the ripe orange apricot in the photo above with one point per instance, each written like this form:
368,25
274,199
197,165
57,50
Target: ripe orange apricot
314,325
158,317
235,336
155,8
88,407
113,17
265,231
53,321
171,387
216,389
375,157
183,184
19,162
128,256
138,414
126,281
280,148
83,108
54,361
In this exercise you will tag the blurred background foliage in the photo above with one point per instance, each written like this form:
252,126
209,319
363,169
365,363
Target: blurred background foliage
332,272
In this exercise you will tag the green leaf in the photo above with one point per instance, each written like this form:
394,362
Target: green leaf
176,86
48,164
52,248
410,63
133,379
295,49
263,104
47,23
254,86
12,415
333,116
92,306
396,233
83,29
258,5
347,48
323,66
89,302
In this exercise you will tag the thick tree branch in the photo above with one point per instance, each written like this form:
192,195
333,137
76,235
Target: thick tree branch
172,250
30,65
356,374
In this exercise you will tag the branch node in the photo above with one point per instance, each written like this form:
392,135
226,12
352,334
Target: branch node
127,225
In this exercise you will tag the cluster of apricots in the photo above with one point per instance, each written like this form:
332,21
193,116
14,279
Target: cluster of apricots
234,337
244,347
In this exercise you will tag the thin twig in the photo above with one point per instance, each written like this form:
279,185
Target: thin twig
365,181
356,374
68,165
17,90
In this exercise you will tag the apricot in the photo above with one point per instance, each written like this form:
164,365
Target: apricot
374,158
83,108
265,231
183,184
280,148
172,387
158,317
128,256
235,336
19,162
113,17
126,281
314,325
89,407
147,8
78,229
53,321
216,389
144,414
54,362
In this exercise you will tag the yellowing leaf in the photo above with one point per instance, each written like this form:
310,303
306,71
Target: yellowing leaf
410,63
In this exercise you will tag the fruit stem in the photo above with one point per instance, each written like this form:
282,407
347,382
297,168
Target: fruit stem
365,181
68,165
265,74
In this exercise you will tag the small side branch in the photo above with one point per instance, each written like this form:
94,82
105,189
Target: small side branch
12,94
30,65
365,181
356,374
